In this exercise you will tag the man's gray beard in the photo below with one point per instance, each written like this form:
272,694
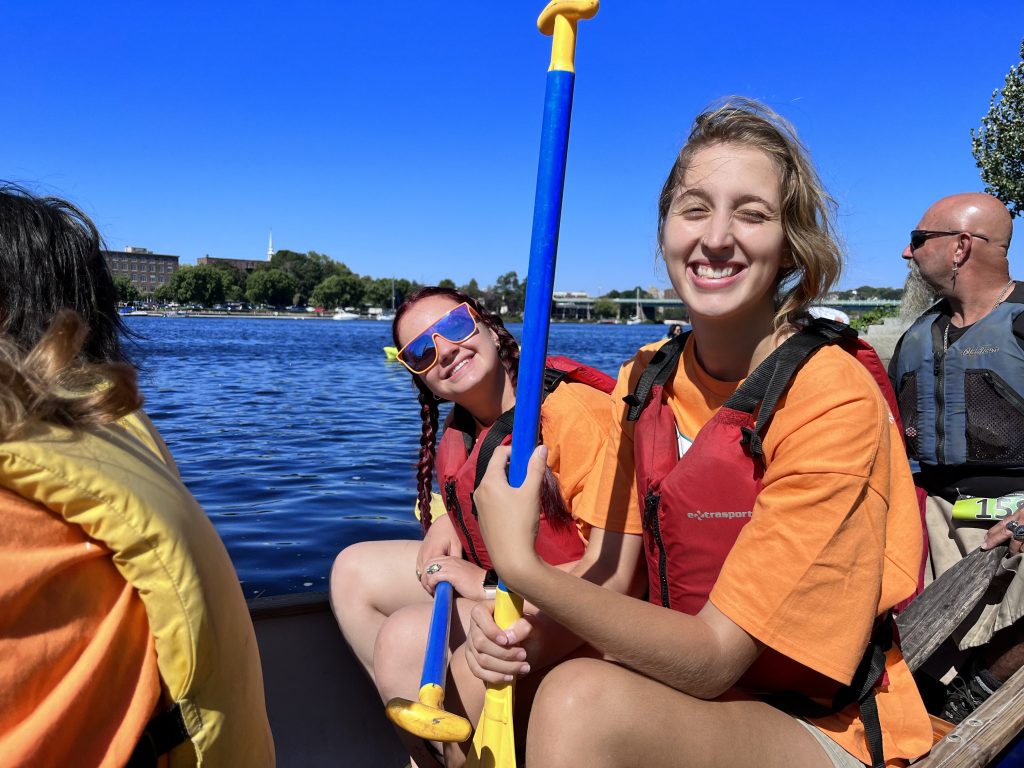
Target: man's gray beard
917,295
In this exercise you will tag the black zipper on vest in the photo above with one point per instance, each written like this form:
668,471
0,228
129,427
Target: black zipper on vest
651,503
996,382
940,407
452,502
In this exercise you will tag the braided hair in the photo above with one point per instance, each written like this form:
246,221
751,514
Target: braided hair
508,353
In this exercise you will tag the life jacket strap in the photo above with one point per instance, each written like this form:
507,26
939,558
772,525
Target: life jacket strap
762,389
162,734
861,689
495,436
658,371
501,428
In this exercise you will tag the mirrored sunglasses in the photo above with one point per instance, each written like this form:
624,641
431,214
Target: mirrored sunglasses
457,326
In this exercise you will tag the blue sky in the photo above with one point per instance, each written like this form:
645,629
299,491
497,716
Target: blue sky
401,138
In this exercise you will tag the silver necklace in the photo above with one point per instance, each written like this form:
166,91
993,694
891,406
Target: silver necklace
1002,297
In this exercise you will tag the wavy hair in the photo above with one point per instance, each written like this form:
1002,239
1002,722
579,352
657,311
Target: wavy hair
508,353
808,211
50,383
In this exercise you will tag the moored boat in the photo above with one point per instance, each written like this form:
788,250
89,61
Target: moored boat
342,314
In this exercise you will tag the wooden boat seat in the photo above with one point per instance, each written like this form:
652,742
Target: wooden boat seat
925,625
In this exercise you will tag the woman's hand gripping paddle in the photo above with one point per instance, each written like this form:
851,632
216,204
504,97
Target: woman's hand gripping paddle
426,718
494,742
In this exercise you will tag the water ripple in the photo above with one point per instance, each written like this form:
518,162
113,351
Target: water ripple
297,437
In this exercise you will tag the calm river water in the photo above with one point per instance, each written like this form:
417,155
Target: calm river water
296,435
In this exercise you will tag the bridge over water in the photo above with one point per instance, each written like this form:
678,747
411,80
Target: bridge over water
580,308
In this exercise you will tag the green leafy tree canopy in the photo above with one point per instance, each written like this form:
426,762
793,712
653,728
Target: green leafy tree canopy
126,290
307,269
510,292
270,286
998,146
198,285
338,291
604,307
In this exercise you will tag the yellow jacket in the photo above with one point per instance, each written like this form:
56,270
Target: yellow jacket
115,483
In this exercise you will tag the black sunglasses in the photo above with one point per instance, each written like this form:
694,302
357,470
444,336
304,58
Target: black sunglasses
918,236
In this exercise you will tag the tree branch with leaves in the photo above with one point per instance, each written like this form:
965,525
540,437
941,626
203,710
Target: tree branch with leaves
998,146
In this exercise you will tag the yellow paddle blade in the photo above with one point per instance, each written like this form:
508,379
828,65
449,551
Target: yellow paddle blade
428,722
494,744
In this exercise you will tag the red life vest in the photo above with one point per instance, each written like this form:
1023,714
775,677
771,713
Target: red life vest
462,461
695,506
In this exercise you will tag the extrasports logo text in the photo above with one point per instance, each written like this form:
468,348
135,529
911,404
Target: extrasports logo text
698,515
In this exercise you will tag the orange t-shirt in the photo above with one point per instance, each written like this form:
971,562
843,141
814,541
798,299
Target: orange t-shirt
574,424
836,525
78,671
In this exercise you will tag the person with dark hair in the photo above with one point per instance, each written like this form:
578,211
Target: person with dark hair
124,635
780,521
51,259
459,352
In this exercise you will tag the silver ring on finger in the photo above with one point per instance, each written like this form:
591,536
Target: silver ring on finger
433,568
1018,535
1013,526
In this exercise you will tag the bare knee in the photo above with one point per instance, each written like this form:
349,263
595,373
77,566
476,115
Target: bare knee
570,713
347,588
398,652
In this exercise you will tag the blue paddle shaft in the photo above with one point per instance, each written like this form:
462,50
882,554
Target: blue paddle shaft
434,664
540,280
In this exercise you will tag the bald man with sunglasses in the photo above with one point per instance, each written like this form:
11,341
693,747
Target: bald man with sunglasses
959,375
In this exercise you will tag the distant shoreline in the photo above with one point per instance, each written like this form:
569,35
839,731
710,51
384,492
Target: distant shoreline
310,316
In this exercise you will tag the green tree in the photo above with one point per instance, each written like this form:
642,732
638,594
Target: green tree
270,286
126,290
197,285
376,292
630,293
338,291
862,321
472,288
604,308
998,146
307,269
446,283
403,288
163,294
510,292
234,281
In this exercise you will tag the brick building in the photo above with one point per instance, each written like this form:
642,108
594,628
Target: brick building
247,266
147,270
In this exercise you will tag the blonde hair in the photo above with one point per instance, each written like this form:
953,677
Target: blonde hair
51,384
814,258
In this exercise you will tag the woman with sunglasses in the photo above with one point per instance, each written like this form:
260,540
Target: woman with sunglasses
381,591
780,520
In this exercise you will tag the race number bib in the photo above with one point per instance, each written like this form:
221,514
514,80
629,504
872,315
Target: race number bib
983,510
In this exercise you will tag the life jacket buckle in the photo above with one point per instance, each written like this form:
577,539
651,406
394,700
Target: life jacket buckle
753,441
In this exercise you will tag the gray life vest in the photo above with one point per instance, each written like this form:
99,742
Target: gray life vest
964,407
